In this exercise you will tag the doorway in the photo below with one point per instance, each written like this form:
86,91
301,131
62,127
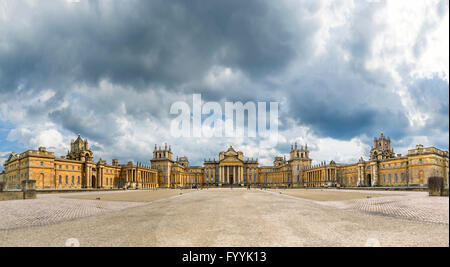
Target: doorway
231,179
369,180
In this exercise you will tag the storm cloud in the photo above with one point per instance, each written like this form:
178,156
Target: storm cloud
342,72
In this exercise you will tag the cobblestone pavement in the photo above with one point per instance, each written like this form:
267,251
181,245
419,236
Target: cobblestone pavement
53,209
228,218
413,206
50,209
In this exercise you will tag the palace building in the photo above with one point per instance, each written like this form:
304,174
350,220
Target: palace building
78,170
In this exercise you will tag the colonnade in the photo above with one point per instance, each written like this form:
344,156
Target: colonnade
144,178
320,177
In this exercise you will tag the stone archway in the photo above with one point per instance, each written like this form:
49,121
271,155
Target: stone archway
369,180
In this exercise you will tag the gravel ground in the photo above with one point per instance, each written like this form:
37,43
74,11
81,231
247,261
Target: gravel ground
235,217
328,195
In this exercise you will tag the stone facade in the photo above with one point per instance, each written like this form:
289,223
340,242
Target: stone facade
78,170
384,168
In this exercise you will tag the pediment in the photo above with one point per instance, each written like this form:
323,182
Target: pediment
231,152
12,157
231,159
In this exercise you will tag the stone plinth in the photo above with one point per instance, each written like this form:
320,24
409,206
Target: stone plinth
28,185
29,189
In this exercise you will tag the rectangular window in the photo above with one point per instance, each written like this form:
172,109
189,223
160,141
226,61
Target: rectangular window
73,180
78,179
60,179
67,179
42,164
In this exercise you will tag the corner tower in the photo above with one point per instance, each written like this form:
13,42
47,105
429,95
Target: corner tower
381,148
163,162
299,160
79,150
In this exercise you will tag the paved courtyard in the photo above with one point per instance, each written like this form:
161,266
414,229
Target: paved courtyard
227,217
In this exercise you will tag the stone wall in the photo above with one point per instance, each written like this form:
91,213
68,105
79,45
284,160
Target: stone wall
17,195
28,192
13,195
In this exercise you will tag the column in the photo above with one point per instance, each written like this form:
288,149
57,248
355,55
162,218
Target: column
89,177
241,174
100,179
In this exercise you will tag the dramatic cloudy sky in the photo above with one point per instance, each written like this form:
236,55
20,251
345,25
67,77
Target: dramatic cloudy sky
342,71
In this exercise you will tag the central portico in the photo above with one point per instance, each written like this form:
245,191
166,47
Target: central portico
231,168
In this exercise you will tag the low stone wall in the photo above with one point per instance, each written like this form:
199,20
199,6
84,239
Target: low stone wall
28,192
12,195
17,195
